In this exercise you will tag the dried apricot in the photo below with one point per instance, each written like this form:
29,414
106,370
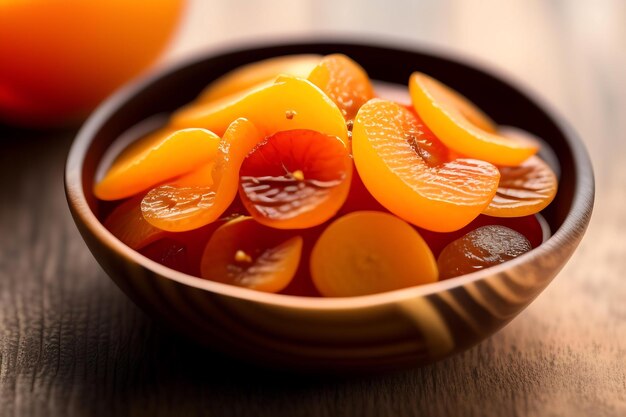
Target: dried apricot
524,189
158,157
295,179
463,127
344,81
368,252
201,196
258,74
247,254
406,169
530,226
481,248
290,103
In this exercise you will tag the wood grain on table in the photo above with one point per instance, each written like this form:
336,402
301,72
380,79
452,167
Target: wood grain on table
72,344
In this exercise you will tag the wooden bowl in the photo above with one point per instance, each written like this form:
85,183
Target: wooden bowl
401,328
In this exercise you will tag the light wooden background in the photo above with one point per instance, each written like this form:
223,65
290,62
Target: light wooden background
71,344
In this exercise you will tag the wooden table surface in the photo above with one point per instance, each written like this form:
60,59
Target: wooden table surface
72,344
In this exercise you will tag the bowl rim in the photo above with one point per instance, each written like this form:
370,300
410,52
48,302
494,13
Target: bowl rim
572,227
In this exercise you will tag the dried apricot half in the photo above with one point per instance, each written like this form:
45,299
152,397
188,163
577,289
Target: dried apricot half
530,226
200,197
257,74
403,166
290,103
462,126
247,254
156,158
524,189
344,81
295,179
481,248
368,252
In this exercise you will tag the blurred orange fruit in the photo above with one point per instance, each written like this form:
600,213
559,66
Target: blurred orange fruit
61,58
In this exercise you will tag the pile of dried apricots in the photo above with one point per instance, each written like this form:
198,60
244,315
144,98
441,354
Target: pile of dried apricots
290,176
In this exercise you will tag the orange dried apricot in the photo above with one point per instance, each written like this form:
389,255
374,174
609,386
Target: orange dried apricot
463,127
290,103
368,252
201,196
405,168
479,249
295,179
247,254
258,74
344,81
180,251
156,158
524,189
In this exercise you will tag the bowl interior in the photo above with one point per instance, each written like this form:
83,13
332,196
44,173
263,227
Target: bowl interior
502,100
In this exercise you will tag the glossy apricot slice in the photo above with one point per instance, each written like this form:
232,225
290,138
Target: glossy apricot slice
481,248
402,166
524,189
200,197
295,179
290,103
368,252
156,158
258,74
530,226
344,81
247,254
127,224
462,126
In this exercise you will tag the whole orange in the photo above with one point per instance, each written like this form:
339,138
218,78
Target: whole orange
60,58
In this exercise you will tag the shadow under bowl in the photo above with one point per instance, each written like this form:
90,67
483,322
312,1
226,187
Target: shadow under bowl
408,327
